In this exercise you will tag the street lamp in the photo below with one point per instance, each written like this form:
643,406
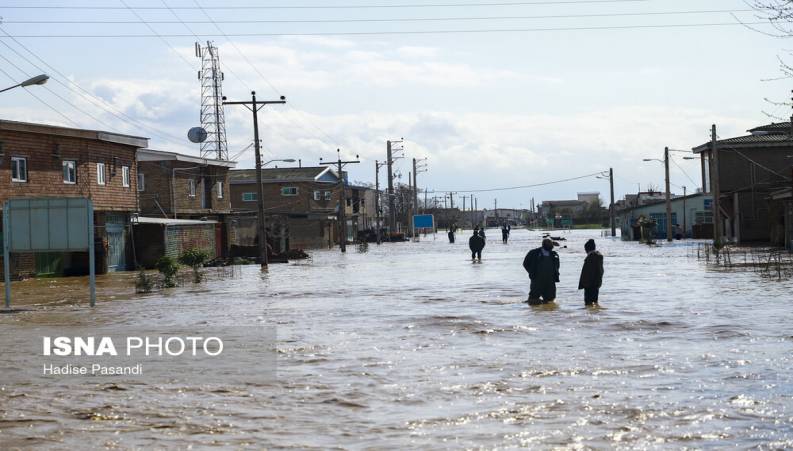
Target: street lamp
665,162
37,80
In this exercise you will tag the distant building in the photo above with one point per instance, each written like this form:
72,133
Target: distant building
691,215
590,198
39,160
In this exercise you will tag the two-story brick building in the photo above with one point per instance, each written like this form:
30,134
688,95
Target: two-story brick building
184,203
38,160
304,200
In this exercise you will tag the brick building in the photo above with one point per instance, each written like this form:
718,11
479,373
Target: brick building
306,199
182,199
751,168
38,160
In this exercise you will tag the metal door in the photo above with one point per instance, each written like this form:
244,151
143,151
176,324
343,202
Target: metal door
116,245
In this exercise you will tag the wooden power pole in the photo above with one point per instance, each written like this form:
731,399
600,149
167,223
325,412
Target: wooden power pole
716,188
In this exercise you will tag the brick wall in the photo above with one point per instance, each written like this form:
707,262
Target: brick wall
303,202
179,238
158,186
45,155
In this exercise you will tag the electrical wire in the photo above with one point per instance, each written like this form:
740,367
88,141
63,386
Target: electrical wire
97,101
404,32
381,20
42,101
511,188
682,170
364,6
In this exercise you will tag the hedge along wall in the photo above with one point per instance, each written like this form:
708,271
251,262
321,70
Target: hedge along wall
179,238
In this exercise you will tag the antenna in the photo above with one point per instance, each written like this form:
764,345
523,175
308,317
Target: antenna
212,116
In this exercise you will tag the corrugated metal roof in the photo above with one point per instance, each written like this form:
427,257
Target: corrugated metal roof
778,127
750,141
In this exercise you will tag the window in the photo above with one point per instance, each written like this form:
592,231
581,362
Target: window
100,173
317,195
328,195
191,187
19,169
69,171
125,176
248,197
289,191
220,190
141,182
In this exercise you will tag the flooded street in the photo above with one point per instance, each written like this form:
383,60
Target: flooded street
411,345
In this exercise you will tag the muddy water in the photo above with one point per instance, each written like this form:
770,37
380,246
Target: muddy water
413,346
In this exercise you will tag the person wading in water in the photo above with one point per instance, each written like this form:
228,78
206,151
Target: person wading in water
476,243
542,264
591,274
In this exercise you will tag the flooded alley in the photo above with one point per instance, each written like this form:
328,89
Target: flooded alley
413,346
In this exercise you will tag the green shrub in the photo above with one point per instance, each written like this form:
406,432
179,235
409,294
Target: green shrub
194,258
145,283
168,267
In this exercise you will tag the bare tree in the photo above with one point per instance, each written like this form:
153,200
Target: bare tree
779,14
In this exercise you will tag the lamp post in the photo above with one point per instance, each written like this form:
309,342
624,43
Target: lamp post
285,160
37,80
665,162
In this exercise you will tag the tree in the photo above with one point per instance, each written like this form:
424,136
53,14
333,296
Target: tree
194,258
779,13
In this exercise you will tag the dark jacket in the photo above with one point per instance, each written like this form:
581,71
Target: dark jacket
532,260
592,272
476,243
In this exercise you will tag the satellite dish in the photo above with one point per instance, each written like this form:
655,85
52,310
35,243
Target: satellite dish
197,135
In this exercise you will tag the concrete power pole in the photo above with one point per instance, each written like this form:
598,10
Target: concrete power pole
391,207
377,199
668,197
716,188
611,206
255,106
342,215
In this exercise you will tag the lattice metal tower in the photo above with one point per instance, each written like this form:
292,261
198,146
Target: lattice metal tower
212,116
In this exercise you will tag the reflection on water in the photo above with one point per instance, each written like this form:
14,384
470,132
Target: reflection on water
410,345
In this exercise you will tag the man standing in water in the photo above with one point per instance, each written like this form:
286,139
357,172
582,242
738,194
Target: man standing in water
591,274
542,264
476,243
505,229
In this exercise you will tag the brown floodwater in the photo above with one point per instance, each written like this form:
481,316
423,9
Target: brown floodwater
411,346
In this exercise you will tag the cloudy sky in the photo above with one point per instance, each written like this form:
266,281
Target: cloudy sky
574,87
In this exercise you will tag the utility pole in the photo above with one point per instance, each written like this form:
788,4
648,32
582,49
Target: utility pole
378,208
412,209
451,200
611,206
342,215
716,188
668,197
254,106
685,233
391,200
473,212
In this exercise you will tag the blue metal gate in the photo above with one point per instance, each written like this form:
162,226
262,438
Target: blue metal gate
116,243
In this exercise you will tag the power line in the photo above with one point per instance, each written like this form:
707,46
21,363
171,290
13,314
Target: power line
162,38
97,101
364,6
408,19
415,32
683,171
42,101
516,187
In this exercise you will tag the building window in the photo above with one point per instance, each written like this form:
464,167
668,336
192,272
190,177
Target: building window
289,191
328,195
19,169
220,190
191,187
141,182
69,172
317,195
248,197
100,173
125,176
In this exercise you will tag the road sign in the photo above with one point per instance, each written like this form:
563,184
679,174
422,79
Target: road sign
423,221
58,224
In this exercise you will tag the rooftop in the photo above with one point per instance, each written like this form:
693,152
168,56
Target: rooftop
98,135
161,155
271,175
770,135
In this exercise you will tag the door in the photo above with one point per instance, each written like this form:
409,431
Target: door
116,243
